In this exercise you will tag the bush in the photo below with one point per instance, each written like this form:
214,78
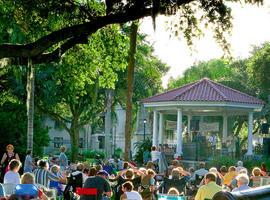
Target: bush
93,154
142,146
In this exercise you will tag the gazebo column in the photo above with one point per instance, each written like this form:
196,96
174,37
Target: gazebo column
225,128
179,133
160,130
155,128
188,126
250,129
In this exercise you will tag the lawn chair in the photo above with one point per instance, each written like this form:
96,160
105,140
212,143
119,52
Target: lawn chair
9,188
2,193
170,197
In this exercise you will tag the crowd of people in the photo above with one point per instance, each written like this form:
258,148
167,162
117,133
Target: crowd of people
123,180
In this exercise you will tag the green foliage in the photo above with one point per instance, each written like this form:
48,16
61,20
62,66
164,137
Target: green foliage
259,70
13,123
118,153
140,147
92,154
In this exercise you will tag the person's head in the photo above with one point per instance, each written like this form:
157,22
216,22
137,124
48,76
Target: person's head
103,174
243,171
150,172
154,148
27,178
242,179
223,170
175,163
129,173
213,170
80,167
202,165
92,171
63,149
256,171
9,148
43,164
127,186
55,169
29,152
209,177
173,191
239,163
191,170
143,170
232,169
150,165
14,165
175,173
125,165
98,167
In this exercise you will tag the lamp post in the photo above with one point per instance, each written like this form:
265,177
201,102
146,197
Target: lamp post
144,122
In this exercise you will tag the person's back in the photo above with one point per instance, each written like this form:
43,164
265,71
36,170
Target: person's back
98,182
12,176
129,193
208,190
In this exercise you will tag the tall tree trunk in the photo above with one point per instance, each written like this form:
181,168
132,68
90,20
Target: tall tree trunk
108,122
74,137
30,88
130,78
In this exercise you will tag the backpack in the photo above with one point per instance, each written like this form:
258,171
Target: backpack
73,181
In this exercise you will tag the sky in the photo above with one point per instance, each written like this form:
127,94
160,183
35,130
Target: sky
250,27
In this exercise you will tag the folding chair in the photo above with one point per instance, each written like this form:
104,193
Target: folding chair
2,193
87,191
170,197
9,188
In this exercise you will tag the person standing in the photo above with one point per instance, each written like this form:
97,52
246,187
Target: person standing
6,158
155,157
63,160
28,162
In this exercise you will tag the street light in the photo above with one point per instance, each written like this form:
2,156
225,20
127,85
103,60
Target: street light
144,122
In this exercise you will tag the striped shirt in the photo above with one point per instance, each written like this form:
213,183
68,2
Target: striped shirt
43,176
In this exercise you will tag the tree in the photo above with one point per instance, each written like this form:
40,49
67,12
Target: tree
73,91
74,21
130,82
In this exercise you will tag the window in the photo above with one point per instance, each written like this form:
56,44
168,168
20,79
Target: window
58,142
81,143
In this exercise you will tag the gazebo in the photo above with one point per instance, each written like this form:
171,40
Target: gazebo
202,98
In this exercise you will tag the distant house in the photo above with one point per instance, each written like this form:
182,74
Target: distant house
88,140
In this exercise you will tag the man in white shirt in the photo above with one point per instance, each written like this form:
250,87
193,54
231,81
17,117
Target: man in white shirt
12,176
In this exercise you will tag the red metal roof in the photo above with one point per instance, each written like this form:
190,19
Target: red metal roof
204,90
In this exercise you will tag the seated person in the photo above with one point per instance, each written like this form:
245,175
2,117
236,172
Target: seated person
129,193
12,176
177,181
55,169
255,179
210,188
173,192
242,183
28,178
232,173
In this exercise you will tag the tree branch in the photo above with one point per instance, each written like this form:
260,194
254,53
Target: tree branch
40,46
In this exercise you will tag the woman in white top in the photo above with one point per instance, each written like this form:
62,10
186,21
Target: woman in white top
12,176
129,193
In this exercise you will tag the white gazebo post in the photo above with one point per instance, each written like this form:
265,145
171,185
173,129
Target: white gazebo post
225,128
160,130
188,126
250,129
179,133
155,134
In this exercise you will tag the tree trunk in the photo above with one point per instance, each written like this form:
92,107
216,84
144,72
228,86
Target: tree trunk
30,103
130,78
74,137
108,123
